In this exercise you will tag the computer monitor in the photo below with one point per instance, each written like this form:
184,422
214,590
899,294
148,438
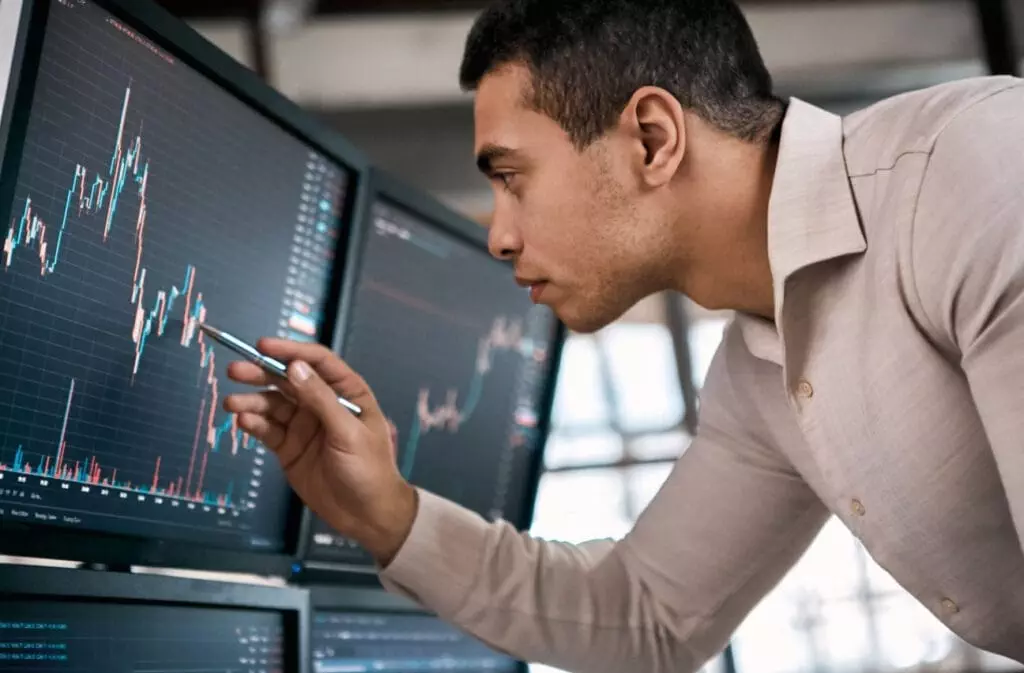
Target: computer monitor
460,359
55,619
149,184
353,632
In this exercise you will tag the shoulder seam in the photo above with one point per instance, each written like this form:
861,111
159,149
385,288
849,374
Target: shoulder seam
939,132
892,166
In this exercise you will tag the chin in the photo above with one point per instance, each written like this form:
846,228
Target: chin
584,321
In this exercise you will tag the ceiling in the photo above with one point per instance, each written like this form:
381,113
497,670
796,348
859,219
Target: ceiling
226,9
213,9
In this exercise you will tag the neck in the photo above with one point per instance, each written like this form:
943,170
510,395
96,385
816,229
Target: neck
725,262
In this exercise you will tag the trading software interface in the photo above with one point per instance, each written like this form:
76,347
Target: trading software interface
149,201
457,356
43,636
346,642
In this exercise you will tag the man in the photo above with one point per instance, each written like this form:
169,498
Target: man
875,370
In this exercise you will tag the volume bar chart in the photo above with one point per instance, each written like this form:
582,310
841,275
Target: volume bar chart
93,473
148,201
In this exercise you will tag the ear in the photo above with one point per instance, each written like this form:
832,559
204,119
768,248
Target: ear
656,124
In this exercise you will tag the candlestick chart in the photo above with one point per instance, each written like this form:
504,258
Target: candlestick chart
449,415
148,201
104,193
99,202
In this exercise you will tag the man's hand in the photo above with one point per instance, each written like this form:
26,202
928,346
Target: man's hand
342,466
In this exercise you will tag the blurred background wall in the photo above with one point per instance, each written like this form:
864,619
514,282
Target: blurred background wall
384,72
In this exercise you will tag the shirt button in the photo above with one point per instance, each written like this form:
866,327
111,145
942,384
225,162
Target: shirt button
804,389
857,507
949,606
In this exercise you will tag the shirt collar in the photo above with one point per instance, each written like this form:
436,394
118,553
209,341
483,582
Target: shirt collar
812,216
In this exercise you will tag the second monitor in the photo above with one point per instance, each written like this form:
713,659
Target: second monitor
459,358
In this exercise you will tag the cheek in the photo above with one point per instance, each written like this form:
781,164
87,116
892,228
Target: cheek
560,233
560,217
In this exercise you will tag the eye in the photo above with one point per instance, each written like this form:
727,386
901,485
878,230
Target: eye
505,180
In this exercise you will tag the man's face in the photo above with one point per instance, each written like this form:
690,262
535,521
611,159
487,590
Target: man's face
573,222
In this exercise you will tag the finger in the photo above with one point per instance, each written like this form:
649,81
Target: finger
316,355
250,374
331,368
311,392
270,433
268,403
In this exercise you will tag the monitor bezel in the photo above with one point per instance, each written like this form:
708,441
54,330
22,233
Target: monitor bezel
27,582
326,598
386,186
173,35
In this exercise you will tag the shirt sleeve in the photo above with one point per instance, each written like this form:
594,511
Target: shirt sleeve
968,269
732,517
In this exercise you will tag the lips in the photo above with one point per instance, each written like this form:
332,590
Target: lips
536,290
536,287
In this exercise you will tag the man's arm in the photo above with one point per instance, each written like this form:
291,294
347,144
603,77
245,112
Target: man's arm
968,268
731,519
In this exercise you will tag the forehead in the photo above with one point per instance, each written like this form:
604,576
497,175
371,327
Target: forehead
502,117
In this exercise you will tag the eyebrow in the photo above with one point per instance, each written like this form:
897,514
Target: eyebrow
488,154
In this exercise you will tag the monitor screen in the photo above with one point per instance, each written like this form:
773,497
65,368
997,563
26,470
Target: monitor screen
56,635
354,642
458,357
149,200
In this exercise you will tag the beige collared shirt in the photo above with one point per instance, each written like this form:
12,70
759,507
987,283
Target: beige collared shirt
891,395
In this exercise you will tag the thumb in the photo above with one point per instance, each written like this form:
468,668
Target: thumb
314,394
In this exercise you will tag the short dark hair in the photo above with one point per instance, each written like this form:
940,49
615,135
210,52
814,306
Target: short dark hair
588,57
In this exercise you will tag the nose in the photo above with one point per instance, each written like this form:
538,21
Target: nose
504,239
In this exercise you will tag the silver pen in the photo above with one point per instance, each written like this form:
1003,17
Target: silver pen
268,363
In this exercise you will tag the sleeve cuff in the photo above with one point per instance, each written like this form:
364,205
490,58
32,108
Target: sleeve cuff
440,560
